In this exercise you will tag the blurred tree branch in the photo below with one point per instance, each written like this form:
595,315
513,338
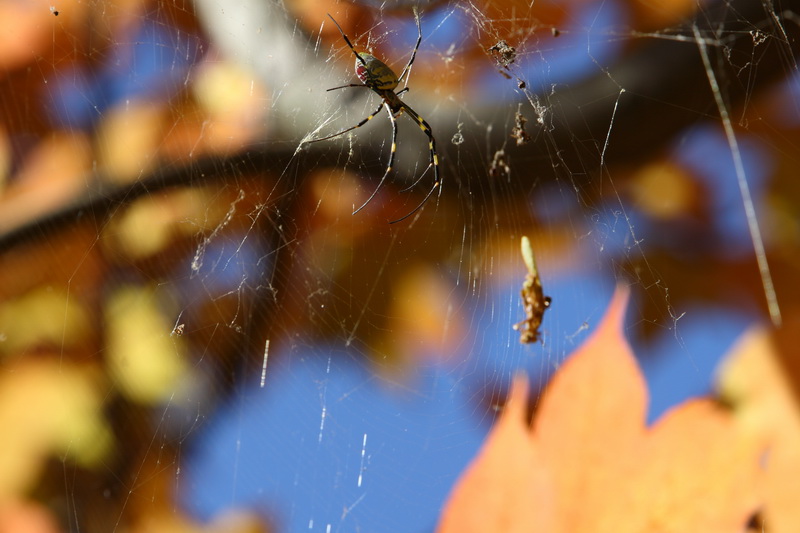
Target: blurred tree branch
665,90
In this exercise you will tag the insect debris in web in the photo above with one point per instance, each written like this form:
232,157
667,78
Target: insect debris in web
518,131
503,53
533,299
499,167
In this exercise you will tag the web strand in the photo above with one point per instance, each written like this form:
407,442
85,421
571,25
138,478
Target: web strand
744,188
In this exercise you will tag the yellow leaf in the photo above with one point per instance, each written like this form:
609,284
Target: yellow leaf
757,382
47,407
145,361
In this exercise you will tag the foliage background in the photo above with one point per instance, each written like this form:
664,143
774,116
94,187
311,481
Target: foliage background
197,333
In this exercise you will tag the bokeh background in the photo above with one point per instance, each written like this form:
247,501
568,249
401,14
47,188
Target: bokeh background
196,334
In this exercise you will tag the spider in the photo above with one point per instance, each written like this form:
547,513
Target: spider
377,76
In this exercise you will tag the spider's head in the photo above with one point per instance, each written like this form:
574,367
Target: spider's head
375,73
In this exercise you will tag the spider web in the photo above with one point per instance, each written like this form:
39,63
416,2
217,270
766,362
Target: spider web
251,352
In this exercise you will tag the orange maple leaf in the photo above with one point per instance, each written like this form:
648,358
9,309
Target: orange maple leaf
590,464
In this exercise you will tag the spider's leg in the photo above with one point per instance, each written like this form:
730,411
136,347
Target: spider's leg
391,158
416,181
350,128
358,57
362,85
430,193
416,47
426,128
348,85
404,90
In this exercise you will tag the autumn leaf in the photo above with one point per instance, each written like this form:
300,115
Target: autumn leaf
755,381
590,464
18,516
48,407
498,490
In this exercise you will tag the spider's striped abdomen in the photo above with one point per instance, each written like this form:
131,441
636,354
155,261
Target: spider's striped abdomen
376,74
